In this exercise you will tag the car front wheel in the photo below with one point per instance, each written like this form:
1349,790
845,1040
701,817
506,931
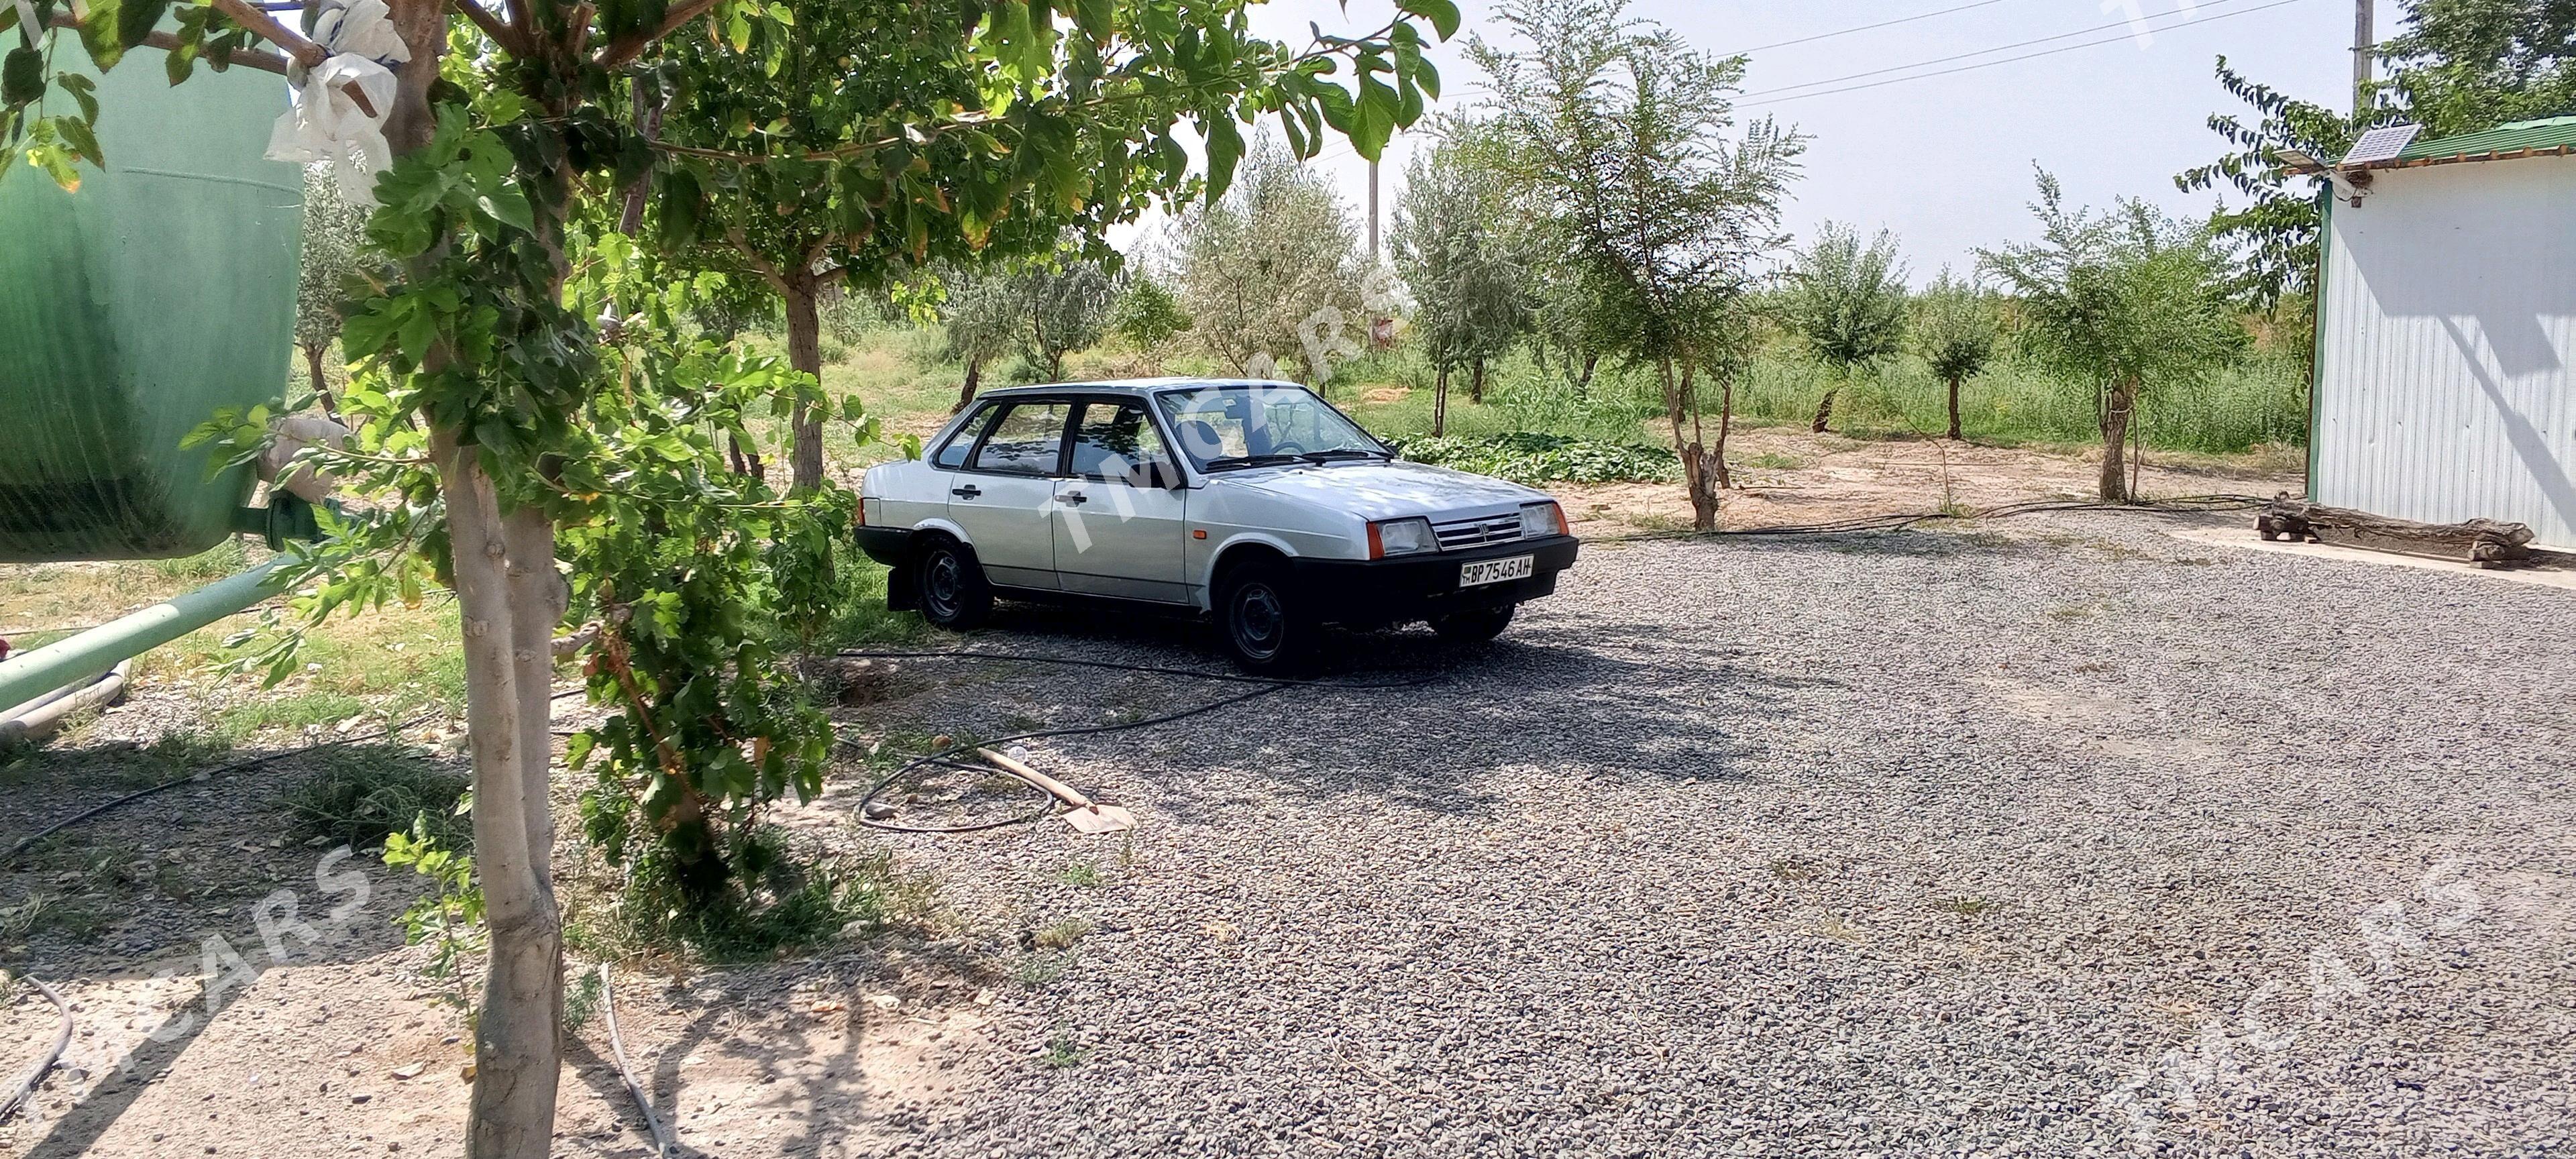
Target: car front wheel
1474,627
953,593
1258,619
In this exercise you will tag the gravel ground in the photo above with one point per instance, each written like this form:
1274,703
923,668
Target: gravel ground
2060,838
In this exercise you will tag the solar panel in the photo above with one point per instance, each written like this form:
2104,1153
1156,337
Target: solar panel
2382,144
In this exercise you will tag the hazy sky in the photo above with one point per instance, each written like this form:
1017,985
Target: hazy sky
1946,161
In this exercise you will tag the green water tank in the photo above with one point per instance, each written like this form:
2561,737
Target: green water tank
134,307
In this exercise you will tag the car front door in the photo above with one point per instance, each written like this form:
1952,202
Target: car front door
1004,495
1119,518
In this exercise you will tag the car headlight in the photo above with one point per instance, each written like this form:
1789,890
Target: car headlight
1539,519
1401,537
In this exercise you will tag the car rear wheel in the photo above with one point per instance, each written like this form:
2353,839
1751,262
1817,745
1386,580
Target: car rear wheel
1260,622
1474,627
953,592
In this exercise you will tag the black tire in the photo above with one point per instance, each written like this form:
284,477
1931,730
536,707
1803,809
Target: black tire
1474,627
949,586
1259,622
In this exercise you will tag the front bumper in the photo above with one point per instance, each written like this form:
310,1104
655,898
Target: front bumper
1422,587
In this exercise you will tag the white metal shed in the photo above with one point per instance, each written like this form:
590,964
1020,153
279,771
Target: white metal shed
2446,322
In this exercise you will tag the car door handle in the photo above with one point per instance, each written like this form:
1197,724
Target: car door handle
1075,499
968,491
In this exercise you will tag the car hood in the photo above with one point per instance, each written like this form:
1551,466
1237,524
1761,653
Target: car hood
1388,490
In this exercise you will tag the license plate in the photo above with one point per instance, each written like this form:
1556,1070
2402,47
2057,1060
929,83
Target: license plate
1496,571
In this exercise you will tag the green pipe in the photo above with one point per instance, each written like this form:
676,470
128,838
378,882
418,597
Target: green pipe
28,675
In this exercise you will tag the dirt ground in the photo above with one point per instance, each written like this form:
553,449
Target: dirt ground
1789,476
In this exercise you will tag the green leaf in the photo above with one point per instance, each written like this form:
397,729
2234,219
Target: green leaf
1442,14
510,207
22,77
135,20
1224,149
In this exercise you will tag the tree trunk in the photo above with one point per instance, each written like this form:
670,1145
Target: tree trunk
1694,455
1440,404
2115,437
1725,426
1954,409
509,597
1583,382
321,381
518,1029
1476,382
805,353
966,393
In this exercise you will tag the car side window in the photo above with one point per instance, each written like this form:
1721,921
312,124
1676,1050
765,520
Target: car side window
1027,440
1115,441
952,454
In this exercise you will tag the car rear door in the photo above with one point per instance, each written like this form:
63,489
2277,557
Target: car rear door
1119,517
1004,494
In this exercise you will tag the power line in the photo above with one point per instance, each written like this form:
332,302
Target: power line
1983,64
1862,28
2120,24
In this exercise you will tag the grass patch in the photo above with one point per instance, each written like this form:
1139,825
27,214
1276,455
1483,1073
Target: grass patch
1795,869
360,793
1964,905
1061,1054
1080,875
1062,935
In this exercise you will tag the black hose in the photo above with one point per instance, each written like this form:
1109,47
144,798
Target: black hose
26,842
946,758
36,1074
1898,522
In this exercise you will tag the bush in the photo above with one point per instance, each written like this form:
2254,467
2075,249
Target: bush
1531,458
833,352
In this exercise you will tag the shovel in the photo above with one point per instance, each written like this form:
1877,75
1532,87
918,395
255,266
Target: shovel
1084,816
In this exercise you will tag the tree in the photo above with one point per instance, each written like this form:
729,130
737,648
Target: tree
1470,299
1269,264
1147,314
1846,299
1614,133
1847,302
1067,298
983,314
2460,66
2127,303
1954,332
494,419
333,229
2465,65
2273,236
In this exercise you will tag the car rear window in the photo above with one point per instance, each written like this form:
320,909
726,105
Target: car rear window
1027,440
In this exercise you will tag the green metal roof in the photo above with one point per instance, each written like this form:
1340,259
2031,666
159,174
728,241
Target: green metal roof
2553,135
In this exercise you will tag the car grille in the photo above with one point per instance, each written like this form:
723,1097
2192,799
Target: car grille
1476,532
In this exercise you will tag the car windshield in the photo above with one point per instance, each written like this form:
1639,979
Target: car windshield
1223,427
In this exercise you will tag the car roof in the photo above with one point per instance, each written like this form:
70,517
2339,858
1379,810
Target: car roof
1139,387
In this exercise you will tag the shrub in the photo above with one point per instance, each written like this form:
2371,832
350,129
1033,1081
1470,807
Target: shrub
1530,457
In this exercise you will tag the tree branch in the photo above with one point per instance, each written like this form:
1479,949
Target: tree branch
626,48
304,52
502,34
250,58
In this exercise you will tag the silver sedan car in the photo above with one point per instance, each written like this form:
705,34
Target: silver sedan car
1254,503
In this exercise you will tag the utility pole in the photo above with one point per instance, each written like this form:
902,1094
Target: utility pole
1373,204
2365,49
